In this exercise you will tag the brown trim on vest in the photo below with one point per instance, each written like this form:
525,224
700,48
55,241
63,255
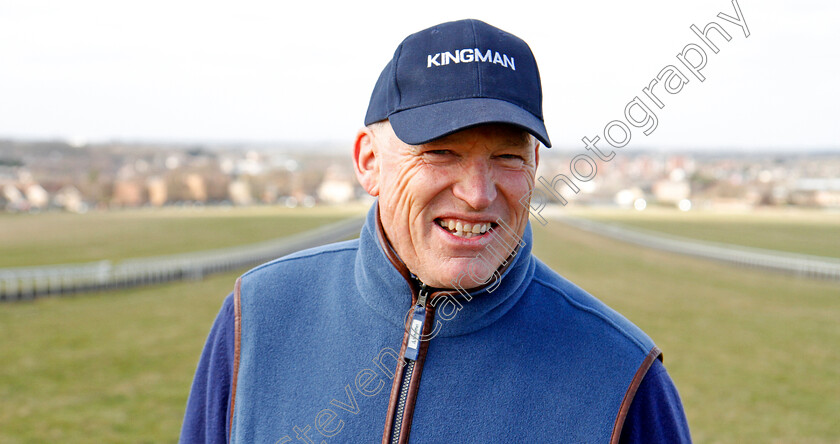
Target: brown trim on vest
654,354
237,339
395,387
393,258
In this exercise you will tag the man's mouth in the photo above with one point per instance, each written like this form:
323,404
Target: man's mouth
465,229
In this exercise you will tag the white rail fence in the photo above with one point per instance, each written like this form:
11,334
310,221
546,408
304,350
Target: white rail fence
24,283
816,267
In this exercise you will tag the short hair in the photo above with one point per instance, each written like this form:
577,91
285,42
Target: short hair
375,127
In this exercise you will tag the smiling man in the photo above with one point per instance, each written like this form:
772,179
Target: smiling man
441,203
440,298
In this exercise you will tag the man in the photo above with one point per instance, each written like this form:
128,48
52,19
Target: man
440,298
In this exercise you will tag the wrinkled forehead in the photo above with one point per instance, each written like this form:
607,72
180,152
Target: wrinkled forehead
505,134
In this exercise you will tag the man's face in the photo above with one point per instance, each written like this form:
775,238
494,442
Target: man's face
439,202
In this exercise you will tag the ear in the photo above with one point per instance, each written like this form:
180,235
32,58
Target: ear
365,162
537,155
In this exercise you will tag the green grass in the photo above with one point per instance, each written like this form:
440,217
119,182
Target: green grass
754,355
797,231
117,366
108,368
56,238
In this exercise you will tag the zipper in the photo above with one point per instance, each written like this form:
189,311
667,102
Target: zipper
400,413
421,315
415,330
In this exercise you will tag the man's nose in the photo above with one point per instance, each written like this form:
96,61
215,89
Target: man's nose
476,186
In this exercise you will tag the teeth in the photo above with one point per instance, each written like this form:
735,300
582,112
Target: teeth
463,229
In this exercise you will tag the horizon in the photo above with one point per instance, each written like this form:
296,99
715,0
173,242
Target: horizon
337,146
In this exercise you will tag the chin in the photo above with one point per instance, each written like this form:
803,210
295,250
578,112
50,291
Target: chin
464,273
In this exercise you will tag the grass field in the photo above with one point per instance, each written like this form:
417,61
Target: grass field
54,238
105,368
793,230
755,355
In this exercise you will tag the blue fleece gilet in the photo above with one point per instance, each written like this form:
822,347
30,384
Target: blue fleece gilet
536,360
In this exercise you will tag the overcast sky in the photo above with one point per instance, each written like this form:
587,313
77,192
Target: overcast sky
258,71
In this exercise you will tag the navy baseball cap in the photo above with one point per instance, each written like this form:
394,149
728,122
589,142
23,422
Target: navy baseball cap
457,75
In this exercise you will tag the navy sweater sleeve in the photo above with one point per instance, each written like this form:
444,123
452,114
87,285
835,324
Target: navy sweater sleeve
655,416
208,407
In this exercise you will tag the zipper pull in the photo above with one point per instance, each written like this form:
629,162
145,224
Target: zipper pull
416,327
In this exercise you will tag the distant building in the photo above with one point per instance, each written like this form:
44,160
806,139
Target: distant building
337,187
127,193
270,194
196,187
335,191
816,192
627,197
158,192
240,192
15,201
669,191
70,199
37,196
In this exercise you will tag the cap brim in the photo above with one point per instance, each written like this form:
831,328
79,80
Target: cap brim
423,124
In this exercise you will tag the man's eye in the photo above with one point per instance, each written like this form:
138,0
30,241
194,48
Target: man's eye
511,157
439,152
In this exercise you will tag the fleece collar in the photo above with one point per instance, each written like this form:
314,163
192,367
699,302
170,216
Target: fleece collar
387,286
